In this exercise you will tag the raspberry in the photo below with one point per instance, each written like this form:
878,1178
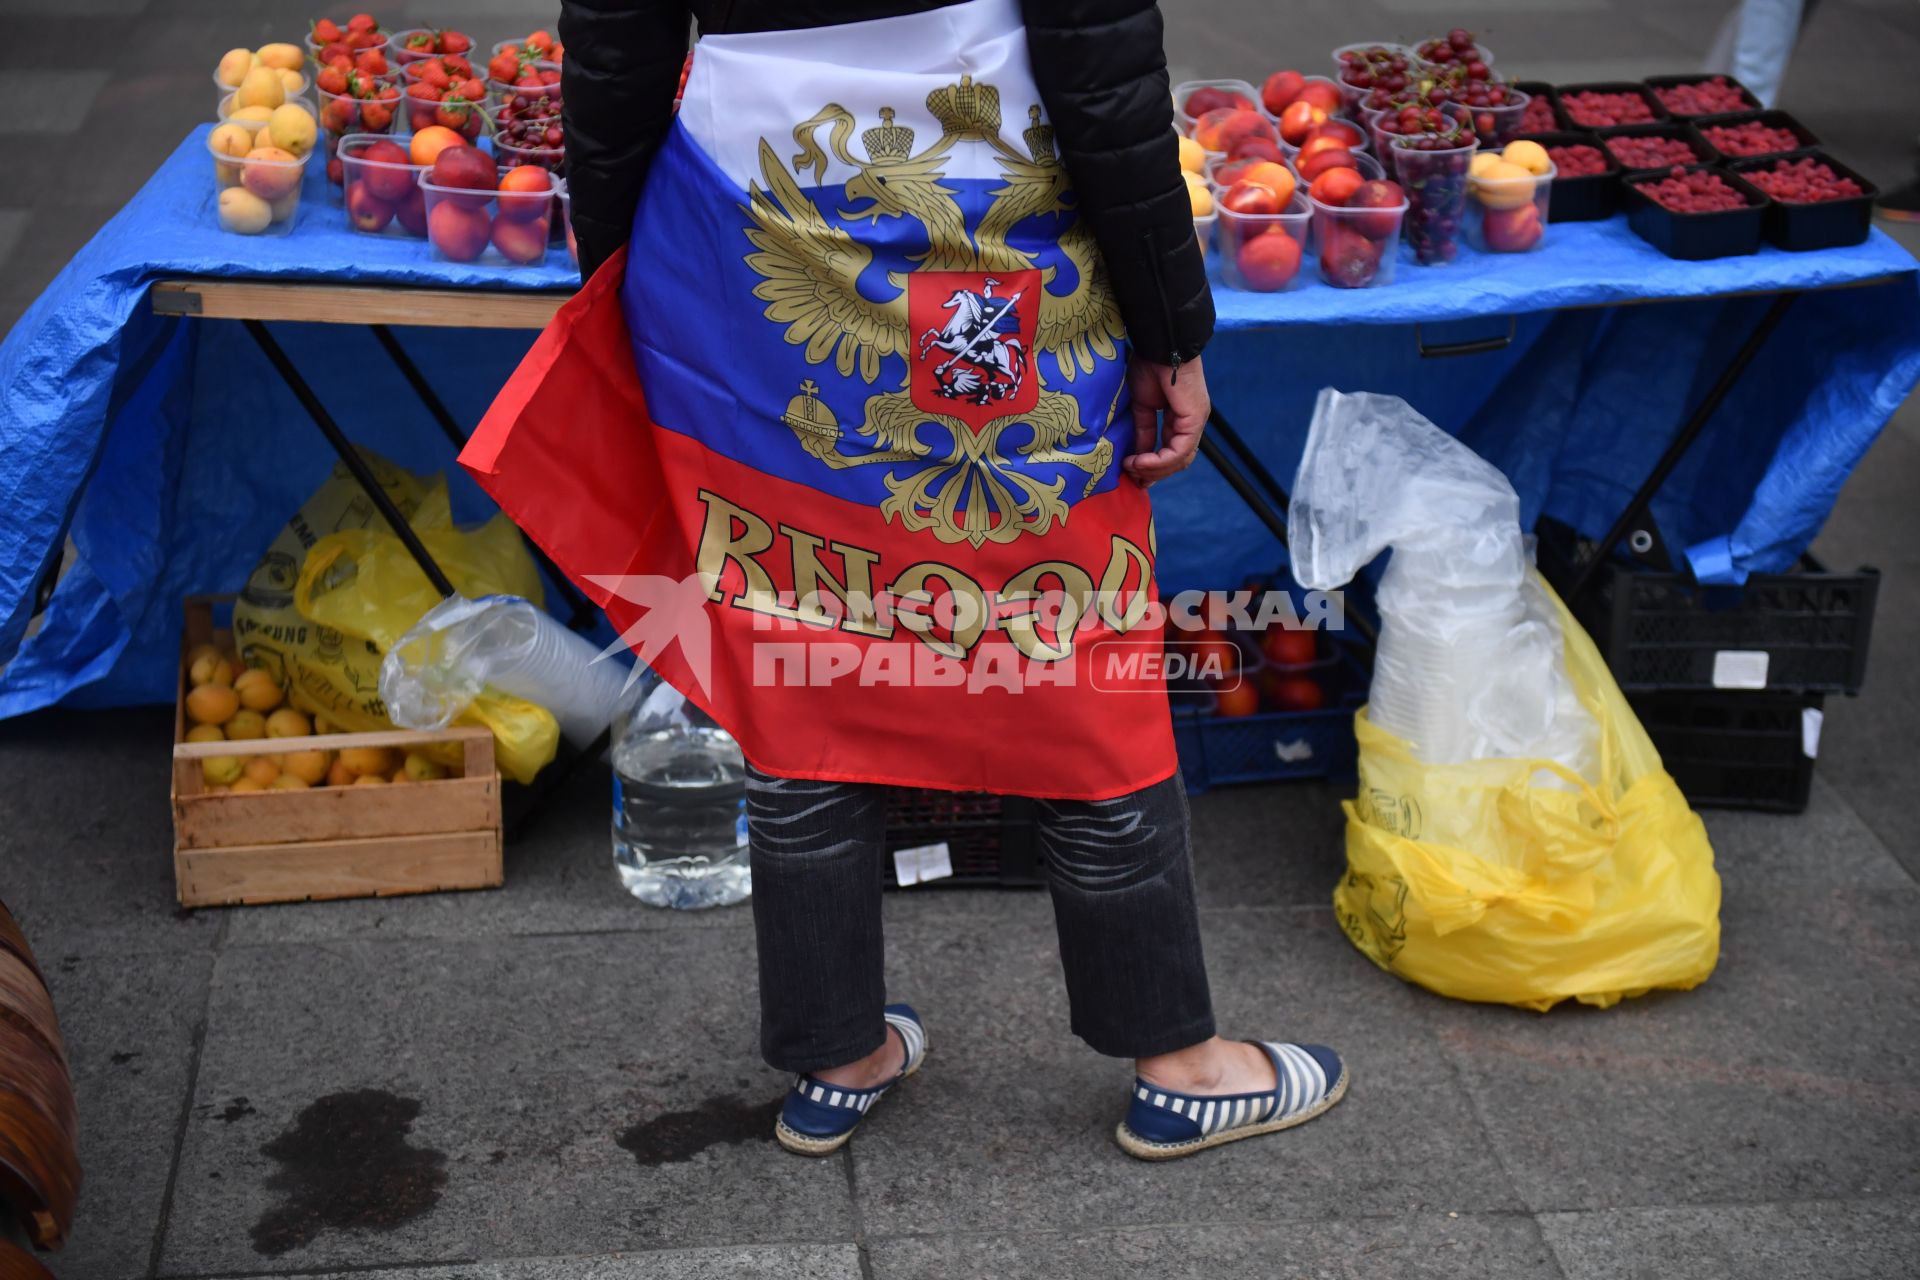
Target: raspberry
1751,139
1649,152
1803,181
1702,97
1538,117
1695,191
1577,161
1599,109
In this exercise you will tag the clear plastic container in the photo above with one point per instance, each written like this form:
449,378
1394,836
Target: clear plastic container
1217,164
1383,139
1368,168
1350,95
565,201
1258,125
383,198
1202,230
225,92
1357,248
1497,126
505,228
1251,257
1480,51
552,159
255,197
472,119
342,114
1436,186
399,55
227,110
1510,214
502,44
1186,88
500,92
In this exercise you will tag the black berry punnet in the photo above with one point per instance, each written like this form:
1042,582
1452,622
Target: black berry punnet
1577,161
1750,139
1599,109
1650,152
1699,191
1701,98
1803,181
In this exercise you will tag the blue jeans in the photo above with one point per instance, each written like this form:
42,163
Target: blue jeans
1122,885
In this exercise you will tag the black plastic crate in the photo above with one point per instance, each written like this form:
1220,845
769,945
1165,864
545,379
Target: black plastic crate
1562,92
1786,632
1698,152
1269,746
1736,750
1724,233
1772,119
1830,224
1588,198
992,841
1657,83
1541,89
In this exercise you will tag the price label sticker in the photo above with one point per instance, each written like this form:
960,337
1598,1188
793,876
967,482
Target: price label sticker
1740,669
922,863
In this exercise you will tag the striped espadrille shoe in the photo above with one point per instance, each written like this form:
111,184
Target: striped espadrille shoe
1162,1125
818,1118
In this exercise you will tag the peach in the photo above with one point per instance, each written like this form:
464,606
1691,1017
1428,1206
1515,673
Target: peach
526,192
1321,161
1334,186
429,142
1513,230
1321,94
1251,197
1275,177
366,210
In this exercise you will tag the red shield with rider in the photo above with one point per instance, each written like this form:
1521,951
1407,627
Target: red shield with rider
973,343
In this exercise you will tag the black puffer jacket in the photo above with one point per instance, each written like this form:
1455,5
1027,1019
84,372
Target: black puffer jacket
1100,69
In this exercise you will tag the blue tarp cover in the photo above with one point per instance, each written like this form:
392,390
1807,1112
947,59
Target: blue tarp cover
166,452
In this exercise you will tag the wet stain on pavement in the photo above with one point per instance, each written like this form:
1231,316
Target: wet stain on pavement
681,1135
346,1164
235,1110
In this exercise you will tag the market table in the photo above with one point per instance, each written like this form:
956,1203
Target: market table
153,443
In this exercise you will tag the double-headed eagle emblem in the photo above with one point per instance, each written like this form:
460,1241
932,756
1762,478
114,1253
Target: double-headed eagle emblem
981,306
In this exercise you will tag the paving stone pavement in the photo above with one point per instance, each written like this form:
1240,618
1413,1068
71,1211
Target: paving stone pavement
552,1081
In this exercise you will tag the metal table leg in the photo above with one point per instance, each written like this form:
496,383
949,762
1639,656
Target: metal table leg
582,613
362,474
1676,449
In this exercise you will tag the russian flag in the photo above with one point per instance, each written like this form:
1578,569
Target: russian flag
836,440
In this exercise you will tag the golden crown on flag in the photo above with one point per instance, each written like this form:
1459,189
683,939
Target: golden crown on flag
888,142
1039,136
966,107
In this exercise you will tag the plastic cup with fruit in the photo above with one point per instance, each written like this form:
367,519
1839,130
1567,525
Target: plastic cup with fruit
1356,228
1195,98
328,37
1263,252
1432,165
1225,130
438,92
1497,113
417,44
469,220
372,109
257,88
382,183
539,47
1276,175
1510,191
533,128
256,190
1371,64
565,202
531,84
1410,119
1457,48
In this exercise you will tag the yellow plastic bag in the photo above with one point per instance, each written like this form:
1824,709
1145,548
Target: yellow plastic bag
336,588
1519,882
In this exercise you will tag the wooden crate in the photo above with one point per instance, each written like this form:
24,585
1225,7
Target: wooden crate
328,842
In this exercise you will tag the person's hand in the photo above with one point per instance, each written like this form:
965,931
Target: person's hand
1168,417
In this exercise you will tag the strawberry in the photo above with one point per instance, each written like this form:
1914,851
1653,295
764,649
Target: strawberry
331,79
325,31
455,42
433,72
375,117
372,62
362,22
336,117
505,65
424,42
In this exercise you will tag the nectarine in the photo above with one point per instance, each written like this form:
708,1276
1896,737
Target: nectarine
457,231
1269,261
1281,88
1513,230
1251,197
429,142
1321,161
1322,94
1334,186
1298,120
1218,131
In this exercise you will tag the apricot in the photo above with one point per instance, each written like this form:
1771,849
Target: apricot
206,733
261,87
361,761
288,723
246,725
270,174
212,703
308,766
262,770
257,690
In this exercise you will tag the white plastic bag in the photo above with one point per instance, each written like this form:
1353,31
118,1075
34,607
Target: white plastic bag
460,647
1469,664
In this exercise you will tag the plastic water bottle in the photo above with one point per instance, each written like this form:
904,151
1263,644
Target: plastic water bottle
679,803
